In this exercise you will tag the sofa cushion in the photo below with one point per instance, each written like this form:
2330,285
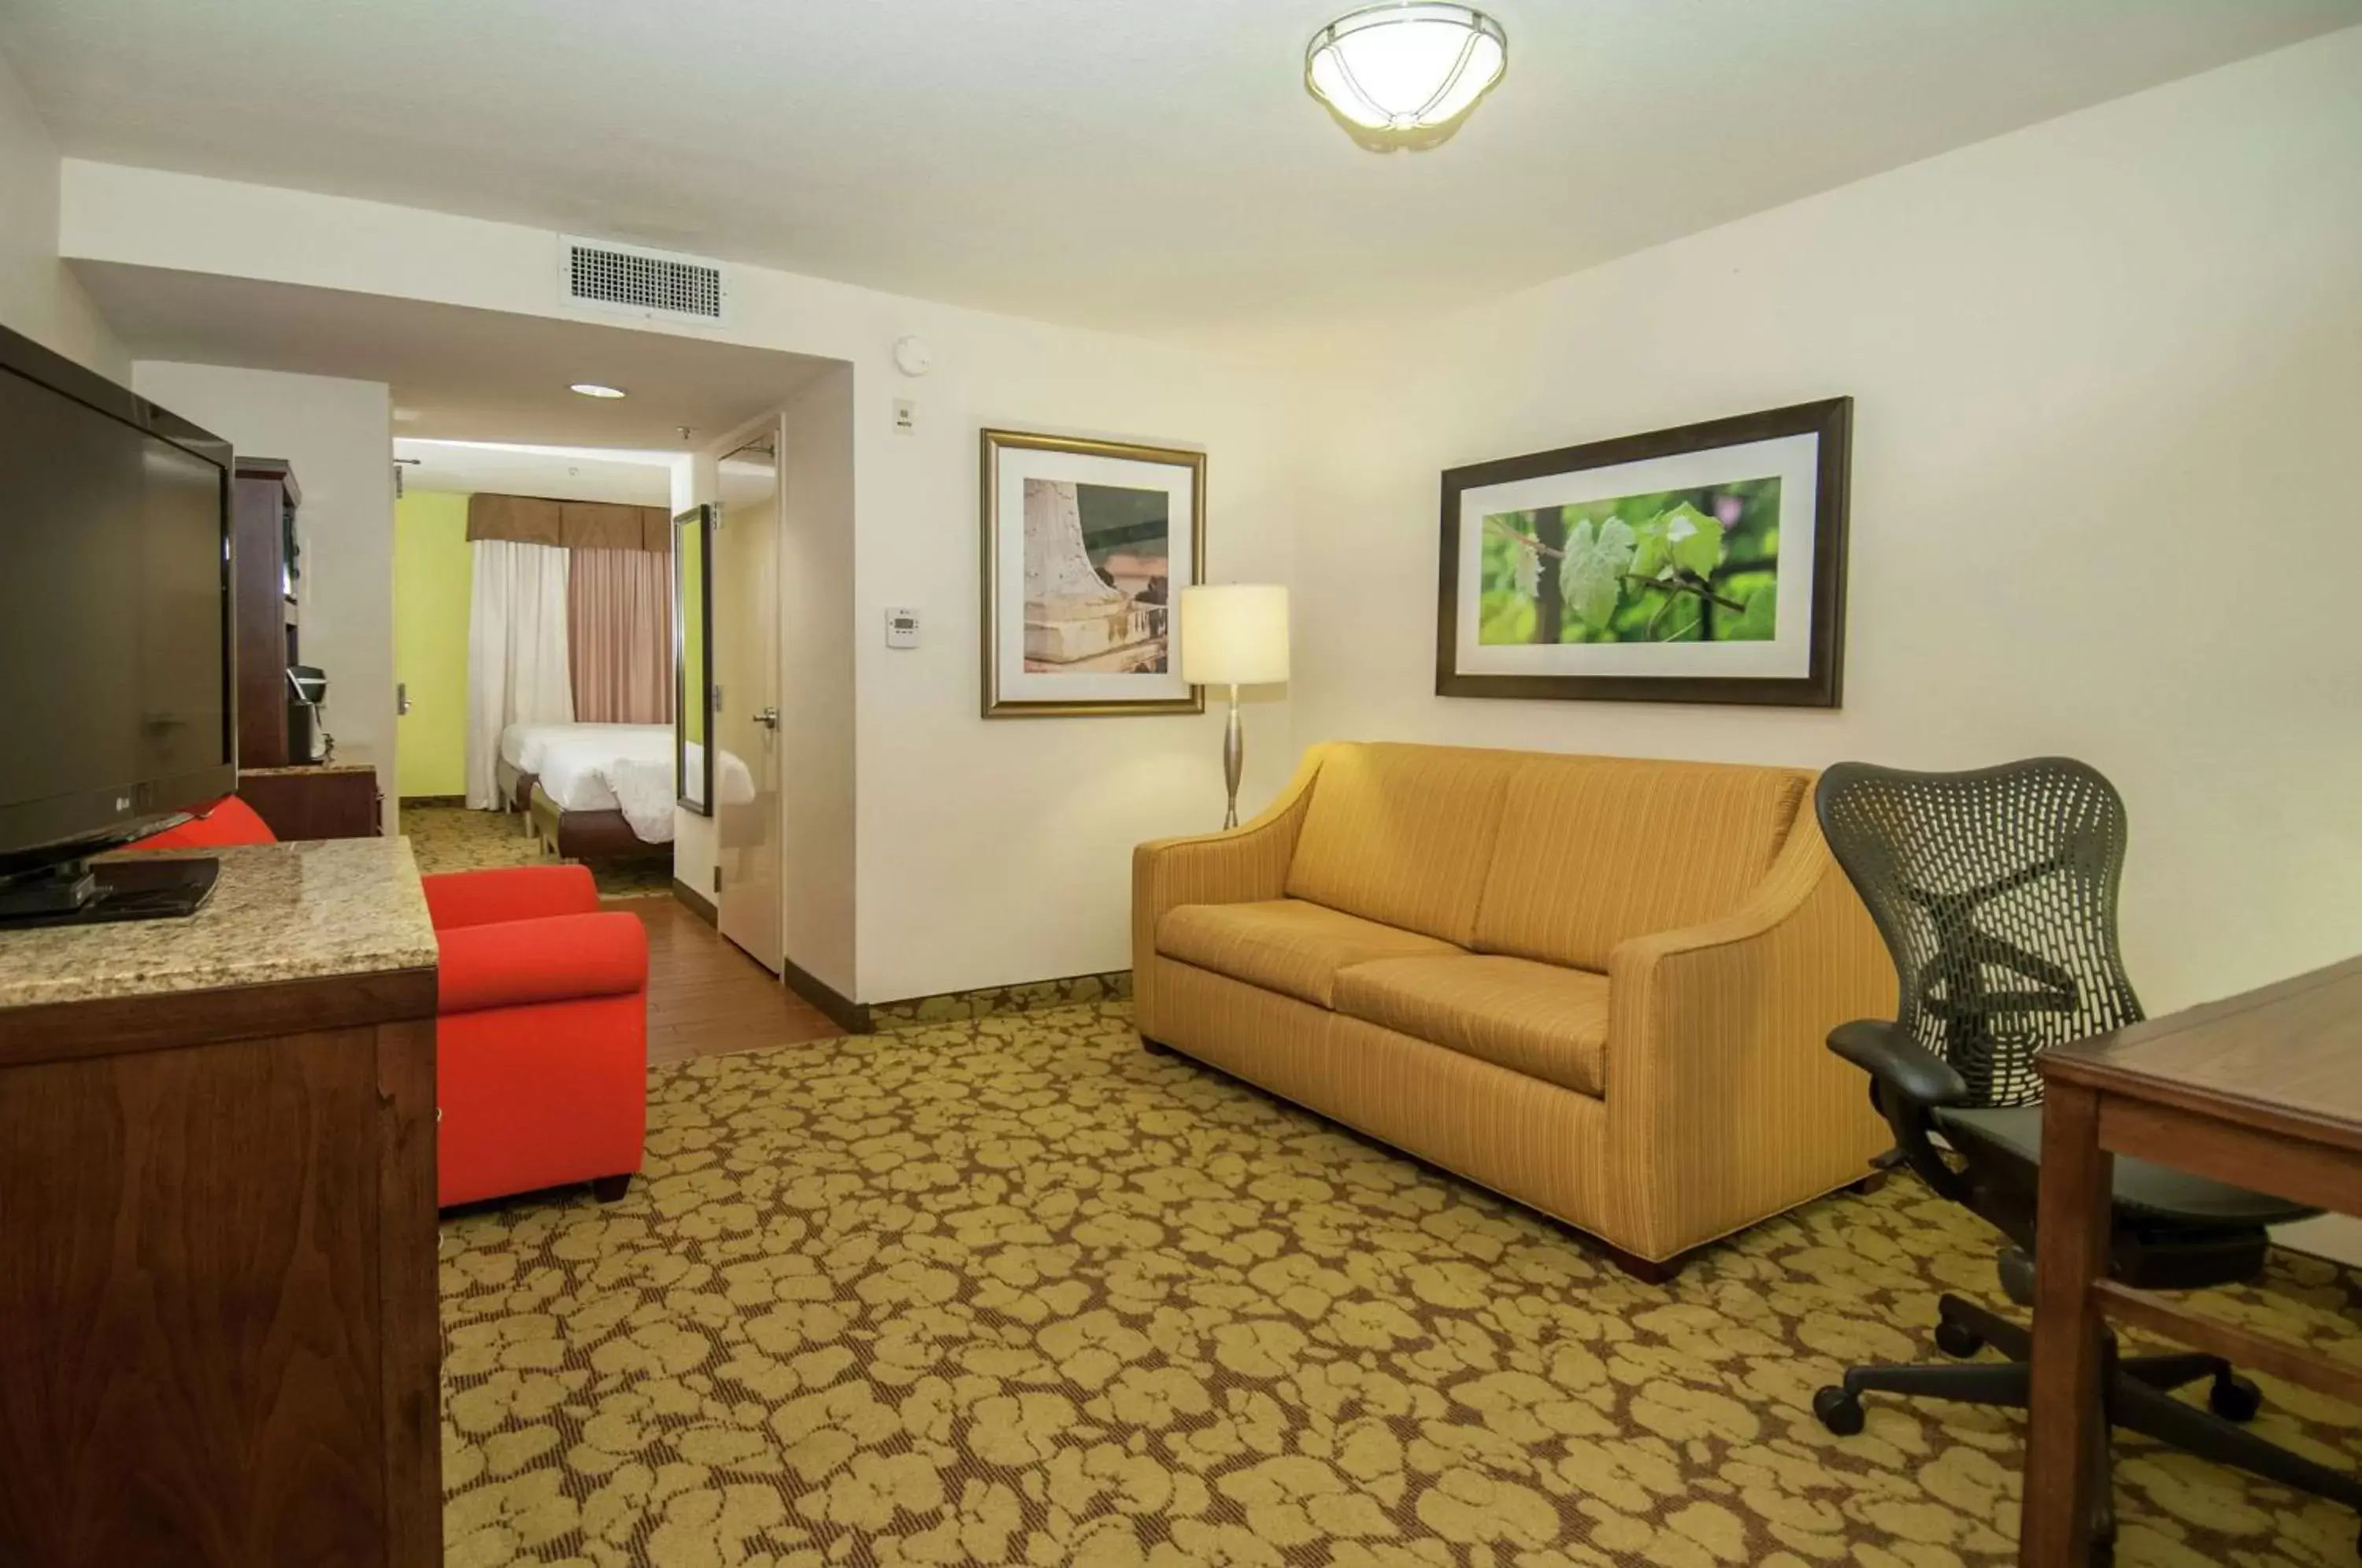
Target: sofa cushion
1402,834
1595,850
1536,1019
1283,945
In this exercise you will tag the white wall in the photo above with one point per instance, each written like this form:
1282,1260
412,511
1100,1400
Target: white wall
987,853
338,435
2108,374
819,717
998,850
38,297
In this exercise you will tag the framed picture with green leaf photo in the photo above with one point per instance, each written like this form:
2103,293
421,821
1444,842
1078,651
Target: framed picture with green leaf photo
1700,564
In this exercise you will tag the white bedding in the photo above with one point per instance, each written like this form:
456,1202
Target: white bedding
631,772
523,745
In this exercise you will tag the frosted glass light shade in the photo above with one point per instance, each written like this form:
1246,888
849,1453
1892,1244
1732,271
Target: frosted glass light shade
1406,73
1234,634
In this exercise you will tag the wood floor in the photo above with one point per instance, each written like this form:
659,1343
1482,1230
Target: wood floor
707,998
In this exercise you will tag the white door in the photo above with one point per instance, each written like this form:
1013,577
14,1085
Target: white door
746,723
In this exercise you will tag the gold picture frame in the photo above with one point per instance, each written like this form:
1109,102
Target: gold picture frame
1081,570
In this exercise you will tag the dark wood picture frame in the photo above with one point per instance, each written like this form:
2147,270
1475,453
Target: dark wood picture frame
700,518
1830,420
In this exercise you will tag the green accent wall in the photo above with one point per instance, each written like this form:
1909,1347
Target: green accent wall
434,571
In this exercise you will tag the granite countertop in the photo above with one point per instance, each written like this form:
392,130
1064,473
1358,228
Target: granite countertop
315,768
280,912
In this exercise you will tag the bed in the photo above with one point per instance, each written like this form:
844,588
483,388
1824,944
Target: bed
524,746
603,792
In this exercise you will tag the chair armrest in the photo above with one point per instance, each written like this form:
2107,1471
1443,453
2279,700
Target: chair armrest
1243,864
228,820
456,898
518,963
1723,1104
1890,1053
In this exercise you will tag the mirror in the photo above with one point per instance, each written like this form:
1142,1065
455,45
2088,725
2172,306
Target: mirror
692,653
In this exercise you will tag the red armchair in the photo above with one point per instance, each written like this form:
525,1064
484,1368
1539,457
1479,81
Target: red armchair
226,822
541,1048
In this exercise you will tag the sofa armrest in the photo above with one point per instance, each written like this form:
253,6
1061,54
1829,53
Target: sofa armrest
519,963
456,898
1243,864
1724,1101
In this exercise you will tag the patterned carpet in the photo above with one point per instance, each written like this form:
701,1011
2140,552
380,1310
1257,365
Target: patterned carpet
1008,1290
451,838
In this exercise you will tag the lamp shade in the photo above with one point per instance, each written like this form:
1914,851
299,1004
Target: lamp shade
1405,73
1234,634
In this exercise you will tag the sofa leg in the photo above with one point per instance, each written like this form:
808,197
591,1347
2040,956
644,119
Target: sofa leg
610,1189
1647,1271
1875,1182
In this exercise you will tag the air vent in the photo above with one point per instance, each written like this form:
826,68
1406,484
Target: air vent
639,282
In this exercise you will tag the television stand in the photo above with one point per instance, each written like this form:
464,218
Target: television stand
80,893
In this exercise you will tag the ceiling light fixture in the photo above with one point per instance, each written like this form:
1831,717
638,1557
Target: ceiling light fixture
596,388
1405,74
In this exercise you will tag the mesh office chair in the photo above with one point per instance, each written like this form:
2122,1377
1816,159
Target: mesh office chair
1995,891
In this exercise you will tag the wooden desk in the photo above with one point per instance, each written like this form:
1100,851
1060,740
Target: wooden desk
218,1330
2262,1090
340,801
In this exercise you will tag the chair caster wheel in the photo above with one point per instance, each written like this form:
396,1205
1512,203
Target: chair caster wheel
2235,1399
1838,1411
1958,1340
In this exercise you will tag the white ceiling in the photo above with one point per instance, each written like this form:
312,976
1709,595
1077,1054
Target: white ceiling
1151,166
462,374
556,474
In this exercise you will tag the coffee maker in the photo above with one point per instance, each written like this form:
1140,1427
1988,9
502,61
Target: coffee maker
308,740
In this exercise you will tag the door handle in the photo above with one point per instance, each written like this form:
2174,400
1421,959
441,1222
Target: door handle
768,718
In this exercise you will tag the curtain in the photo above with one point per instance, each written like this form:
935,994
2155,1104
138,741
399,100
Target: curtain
619,620
517,668
577,525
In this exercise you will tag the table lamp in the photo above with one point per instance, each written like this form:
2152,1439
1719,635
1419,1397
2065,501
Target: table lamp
1234,634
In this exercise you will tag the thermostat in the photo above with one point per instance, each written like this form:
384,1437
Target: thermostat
901,628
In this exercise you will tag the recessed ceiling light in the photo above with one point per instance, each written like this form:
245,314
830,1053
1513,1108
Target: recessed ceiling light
597,389
1407,73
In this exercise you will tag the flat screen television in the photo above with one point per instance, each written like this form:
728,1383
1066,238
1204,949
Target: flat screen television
116,693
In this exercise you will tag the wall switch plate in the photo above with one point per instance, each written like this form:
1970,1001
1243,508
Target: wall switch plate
906,414
901,628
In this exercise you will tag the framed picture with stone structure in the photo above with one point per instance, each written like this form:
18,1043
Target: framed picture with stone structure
1088,546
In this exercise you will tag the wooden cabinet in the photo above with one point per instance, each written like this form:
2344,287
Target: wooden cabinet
218,1334
341,801
263,501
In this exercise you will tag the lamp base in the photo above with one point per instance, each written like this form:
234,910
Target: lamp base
1234,757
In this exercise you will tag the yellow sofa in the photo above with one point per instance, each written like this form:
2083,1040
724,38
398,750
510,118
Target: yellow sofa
1595,984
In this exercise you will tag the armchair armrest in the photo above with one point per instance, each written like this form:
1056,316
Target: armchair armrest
456,898
1907,1082
518,963
1722,1094
1243,864
1890,1053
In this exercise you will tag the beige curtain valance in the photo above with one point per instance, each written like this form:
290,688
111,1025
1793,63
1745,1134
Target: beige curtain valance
570,524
